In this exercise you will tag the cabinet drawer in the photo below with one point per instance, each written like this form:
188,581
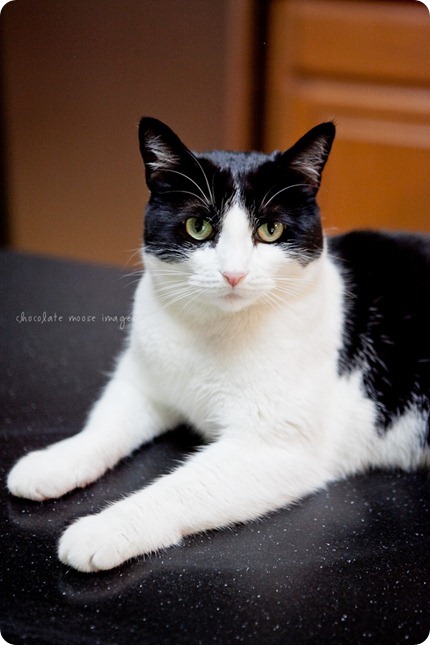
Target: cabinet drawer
362,40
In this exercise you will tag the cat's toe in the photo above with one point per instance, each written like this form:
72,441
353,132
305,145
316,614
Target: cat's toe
30,478
94,543
51,473
106,540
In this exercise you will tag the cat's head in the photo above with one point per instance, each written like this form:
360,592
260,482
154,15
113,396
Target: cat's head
227,228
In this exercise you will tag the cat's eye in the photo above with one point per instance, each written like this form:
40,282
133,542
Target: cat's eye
270,232
198,229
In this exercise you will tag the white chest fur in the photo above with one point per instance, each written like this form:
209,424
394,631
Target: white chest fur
270,369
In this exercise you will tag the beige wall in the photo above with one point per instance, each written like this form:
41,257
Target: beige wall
77,77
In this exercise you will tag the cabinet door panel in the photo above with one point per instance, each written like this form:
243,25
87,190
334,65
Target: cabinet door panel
383,186
378,94
362,39
378,174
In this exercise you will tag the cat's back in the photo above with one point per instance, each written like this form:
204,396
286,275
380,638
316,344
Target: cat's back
380,248
386,316
388,272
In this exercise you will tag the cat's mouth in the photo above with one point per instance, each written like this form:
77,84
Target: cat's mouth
234,293
234,299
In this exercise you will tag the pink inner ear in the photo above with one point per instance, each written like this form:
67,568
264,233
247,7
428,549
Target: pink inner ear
164,157
309,154
310,162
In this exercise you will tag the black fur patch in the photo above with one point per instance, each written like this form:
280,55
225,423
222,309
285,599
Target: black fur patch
180,197
387,324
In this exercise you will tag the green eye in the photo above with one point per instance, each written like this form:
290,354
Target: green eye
270,232
198,229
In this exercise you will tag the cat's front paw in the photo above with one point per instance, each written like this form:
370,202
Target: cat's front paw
50,473
106,540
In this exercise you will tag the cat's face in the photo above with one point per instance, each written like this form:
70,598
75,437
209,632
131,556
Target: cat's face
231,229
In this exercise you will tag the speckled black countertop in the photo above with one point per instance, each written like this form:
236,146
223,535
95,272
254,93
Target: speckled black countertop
348,565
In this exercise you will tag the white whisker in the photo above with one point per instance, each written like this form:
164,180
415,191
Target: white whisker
129,284
136,275
190,300
265,204
211,194
207,201
178,295
187,192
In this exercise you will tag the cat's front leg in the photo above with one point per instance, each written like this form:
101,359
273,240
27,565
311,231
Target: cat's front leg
122,420
226,482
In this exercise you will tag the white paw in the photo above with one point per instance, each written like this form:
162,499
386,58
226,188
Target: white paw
50,473
106,540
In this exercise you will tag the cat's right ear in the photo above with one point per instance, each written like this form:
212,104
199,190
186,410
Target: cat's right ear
309,155
161,149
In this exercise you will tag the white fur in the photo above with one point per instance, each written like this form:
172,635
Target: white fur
310,162
163,157
254,369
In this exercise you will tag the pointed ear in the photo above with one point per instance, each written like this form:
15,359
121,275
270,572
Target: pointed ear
309,155
161,150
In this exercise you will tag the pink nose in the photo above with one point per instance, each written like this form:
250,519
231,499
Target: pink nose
234,278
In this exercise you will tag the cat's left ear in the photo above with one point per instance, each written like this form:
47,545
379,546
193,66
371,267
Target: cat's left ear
161,149
309,155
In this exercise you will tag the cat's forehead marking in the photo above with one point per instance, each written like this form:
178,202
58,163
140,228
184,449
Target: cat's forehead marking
234,245
236,220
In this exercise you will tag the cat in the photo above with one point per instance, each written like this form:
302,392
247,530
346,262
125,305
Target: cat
299,359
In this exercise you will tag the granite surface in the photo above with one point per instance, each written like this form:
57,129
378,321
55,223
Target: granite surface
348,565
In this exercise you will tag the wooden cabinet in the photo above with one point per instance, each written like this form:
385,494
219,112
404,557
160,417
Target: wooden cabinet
367,66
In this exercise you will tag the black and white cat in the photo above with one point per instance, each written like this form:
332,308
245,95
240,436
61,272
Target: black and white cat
299,359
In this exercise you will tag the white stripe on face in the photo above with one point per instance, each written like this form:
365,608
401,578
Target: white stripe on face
235,246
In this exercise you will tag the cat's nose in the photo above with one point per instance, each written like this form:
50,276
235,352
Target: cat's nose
234,278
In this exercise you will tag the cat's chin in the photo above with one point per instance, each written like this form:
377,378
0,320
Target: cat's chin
233,303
